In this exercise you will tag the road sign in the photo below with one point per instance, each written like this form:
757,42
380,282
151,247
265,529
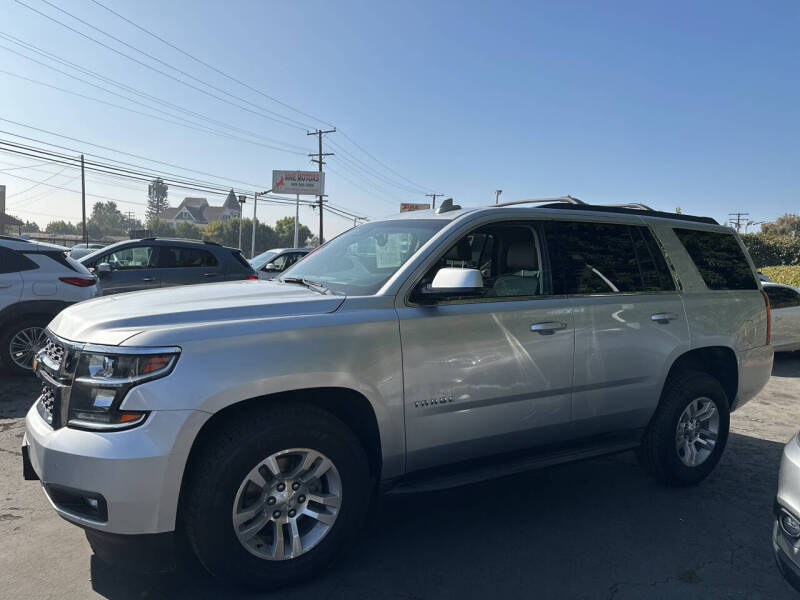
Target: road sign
305,183
409,206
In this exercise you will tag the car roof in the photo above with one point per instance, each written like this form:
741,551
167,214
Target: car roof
556,206
24,245
776,284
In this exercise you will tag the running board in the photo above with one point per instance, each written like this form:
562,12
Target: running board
451,476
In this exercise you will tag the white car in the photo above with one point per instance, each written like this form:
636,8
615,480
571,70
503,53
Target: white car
784,301
78,251
37,281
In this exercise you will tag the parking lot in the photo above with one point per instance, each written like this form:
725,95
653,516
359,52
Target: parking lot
596,529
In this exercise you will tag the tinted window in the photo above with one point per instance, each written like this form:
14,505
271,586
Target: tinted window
781,297
14,262
187,257
508,257
603,258
719,258
137,257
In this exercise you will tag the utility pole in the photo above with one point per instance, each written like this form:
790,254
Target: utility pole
255,202
241,218
738,221
434,198
83,203
497,196
319,133
297,221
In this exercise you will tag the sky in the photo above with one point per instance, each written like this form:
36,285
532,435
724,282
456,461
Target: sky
673,104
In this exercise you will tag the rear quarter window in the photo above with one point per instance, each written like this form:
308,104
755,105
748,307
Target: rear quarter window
14,262
719,258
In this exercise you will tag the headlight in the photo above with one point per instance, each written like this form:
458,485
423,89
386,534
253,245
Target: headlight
103,378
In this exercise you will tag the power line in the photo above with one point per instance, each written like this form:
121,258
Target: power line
289,122
43,53
209,66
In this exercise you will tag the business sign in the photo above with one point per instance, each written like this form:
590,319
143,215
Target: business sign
409,206
305,183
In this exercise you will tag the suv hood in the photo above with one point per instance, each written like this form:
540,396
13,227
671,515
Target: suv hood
113,319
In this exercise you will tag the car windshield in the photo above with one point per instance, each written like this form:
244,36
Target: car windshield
262,259
361,260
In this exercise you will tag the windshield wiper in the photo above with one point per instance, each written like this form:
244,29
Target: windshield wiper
312,285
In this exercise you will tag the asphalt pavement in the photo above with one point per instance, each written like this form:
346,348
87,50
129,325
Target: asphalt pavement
595,529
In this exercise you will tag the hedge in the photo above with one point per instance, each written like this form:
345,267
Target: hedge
788,274
773,250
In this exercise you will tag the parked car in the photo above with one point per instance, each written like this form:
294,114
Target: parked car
152,263
786,528
784,301
78,251
37,280
426,351
273,262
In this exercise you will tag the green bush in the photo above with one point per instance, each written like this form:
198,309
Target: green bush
773,249
788,274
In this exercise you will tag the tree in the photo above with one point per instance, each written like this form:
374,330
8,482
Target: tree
284,229
788,224
157,201
62,227
30,227
159,228
227,233
188,231
106,219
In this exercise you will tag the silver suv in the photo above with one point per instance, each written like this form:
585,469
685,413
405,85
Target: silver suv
257,418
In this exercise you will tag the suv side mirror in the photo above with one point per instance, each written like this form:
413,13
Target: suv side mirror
271,268
103,269
452,281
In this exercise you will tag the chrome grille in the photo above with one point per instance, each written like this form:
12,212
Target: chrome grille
47,404
54,351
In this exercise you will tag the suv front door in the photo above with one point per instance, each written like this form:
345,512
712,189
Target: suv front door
133,268
490,372
630,323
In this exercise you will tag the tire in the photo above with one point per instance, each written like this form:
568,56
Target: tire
15,331
216,488
664,451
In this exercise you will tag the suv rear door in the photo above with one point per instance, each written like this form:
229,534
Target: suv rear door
11,263
483,373
630,322
184,265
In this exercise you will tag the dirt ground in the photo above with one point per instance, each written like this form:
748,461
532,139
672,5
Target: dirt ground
595,529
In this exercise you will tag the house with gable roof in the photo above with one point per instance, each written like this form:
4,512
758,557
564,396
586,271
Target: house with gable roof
199,212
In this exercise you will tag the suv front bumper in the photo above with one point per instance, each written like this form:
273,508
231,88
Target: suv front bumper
785,547
124,482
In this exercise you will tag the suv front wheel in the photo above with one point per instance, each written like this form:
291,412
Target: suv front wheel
688,433
275,496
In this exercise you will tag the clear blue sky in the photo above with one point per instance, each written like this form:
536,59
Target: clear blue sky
672,104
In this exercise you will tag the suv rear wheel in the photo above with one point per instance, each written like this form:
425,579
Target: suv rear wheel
688,433
19,342
275,496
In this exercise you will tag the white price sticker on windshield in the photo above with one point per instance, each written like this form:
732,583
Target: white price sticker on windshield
388,255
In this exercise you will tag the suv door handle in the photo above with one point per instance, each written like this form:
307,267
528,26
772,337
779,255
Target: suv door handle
663,318
548,327
209,274
148,278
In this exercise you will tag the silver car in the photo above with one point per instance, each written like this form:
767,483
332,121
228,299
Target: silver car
786,529
426,351
273,262
785,304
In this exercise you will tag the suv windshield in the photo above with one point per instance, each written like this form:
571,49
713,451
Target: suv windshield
361,260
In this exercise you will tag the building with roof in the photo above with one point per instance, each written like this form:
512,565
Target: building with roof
199,212
7,221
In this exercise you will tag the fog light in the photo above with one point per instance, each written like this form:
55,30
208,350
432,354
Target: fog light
790,525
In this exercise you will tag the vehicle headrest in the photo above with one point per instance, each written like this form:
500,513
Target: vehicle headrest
461,251
522,256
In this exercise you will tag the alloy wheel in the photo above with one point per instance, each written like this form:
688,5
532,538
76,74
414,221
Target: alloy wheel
697,431
25,344
287,504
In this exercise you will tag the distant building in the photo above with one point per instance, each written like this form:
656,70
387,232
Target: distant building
199,212
8,220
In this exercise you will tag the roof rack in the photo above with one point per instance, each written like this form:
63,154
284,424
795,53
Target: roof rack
630,208
14,238
568,199
173,239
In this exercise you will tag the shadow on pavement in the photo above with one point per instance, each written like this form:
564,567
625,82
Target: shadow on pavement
17,394
595,529
786,364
